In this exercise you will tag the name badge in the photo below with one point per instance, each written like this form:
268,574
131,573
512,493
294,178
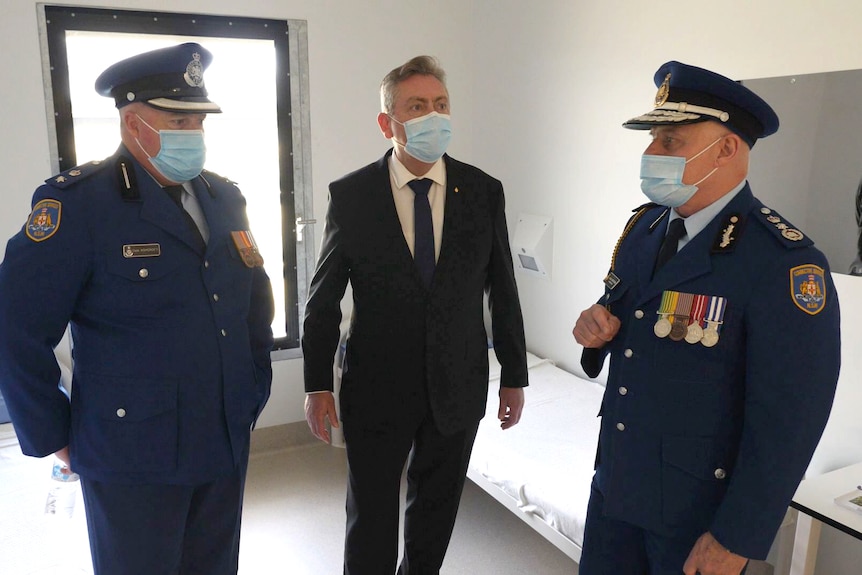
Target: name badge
141,250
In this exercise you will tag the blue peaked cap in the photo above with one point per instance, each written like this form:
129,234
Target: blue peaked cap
170,79
688,94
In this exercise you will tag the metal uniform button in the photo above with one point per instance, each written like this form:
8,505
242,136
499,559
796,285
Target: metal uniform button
720,473
143,272
639,314
628,353
621,426
206,263
623,390
121,412
215,297
224,333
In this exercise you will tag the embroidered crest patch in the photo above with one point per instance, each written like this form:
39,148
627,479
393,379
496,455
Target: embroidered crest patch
44,221
808,288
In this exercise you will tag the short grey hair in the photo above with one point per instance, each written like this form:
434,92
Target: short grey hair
424,65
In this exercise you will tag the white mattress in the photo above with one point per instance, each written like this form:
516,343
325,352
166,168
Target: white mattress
546,461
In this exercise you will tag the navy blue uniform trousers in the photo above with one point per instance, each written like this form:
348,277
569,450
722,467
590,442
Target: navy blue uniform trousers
197,526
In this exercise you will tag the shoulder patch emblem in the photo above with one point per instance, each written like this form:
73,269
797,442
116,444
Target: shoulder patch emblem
44,221
808,288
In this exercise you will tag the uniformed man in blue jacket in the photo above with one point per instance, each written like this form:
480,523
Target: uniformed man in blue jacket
151,261
722,326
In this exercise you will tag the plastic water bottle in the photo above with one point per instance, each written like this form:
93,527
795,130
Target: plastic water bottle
63,491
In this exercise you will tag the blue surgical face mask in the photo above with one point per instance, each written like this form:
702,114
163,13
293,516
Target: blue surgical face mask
181,155
661,178
427,137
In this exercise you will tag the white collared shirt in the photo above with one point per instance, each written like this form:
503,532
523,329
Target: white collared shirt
402,194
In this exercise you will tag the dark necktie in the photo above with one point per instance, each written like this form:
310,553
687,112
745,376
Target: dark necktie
423,246
675,232
176,194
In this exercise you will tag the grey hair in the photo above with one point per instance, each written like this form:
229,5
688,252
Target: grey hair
424,65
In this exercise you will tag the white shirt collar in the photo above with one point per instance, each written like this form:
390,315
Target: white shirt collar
403,176
695,223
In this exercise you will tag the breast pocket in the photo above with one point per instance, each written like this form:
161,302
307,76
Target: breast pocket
703,359
146,287
122,423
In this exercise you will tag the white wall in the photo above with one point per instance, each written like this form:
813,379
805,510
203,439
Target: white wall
539,90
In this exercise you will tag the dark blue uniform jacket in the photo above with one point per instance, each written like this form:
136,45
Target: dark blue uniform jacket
170,345
717,438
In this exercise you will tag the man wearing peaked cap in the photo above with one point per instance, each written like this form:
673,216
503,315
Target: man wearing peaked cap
169,79
145,256
722,327
688,95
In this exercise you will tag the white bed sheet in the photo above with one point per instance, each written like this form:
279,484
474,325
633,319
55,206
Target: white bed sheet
546,461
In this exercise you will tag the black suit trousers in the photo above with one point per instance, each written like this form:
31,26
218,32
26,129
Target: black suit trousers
436,473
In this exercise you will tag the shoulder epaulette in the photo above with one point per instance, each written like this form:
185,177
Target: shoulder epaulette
787,235
212,176
77,174
646,206
638,212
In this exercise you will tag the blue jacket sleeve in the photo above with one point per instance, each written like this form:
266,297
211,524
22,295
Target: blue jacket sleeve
39,284
791,375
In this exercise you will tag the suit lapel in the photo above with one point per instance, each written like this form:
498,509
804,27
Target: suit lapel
382,211
692,261
158,209
647,249
456,185
208,202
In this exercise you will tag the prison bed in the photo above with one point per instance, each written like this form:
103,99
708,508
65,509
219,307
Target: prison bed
541,469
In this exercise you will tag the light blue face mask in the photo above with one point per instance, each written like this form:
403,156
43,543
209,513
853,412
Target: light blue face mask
182,153
661,178
427,137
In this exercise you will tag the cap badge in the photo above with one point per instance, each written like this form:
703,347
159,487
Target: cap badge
663,92
194,75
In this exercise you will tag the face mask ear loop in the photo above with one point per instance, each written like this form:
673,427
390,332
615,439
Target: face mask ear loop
137,141
700,181
694,157
402,144
147,125
697,183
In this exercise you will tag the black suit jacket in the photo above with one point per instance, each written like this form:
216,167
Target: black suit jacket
410,346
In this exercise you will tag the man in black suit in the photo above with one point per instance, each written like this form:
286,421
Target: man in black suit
415,373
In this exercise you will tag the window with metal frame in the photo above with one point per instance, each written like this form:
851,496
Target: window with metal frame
259,77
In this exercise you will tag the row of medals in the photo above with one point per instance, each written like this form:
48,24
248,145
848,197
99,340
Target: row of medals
680,329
